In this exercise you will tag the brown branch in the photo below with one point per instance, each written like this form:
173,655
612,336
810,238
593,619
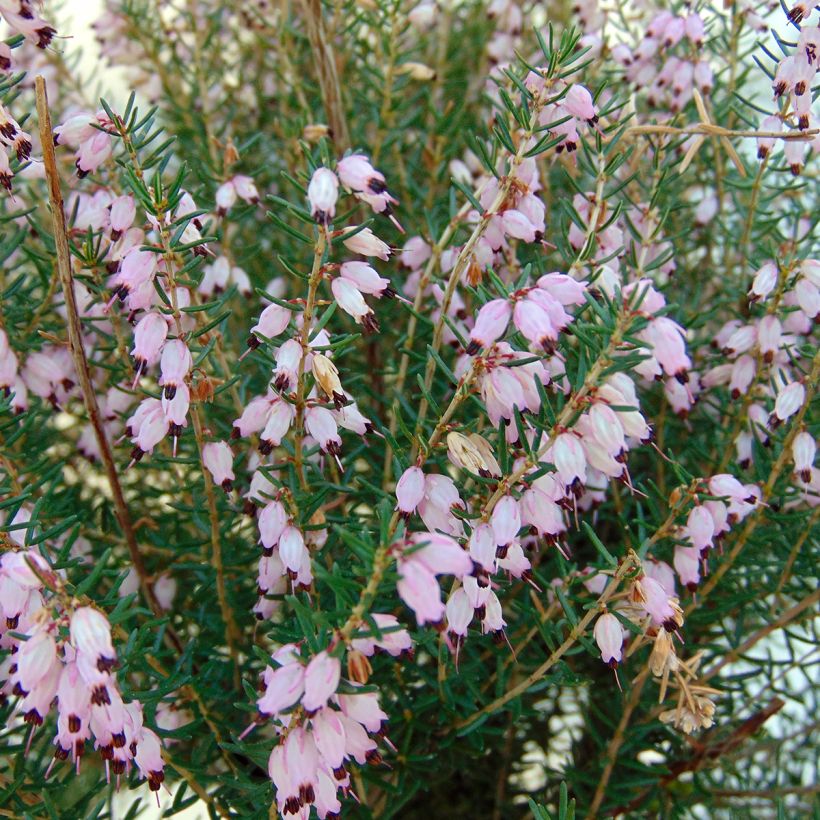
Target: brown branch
707,752
75,339
328,75
787,617
617,741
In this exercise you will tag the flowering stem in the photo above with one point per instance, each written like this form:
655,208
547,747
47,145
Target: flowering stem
412,325
768,487
304,341
231,628
564,417
75,337
232,632
576,632
381,557
464,258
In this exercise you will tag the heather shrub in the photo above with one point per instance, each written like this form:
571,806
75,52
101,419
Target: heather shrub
409,409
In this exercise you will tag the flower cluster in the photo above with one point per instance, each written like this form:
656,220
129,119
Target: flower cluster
64,653
602,294
323,725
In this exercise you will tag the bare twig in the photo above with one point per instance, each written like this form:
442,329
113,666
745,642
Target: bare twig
328,75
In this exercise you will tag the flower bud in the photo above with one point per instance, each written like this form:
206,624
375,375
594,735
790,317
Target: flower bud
218,459
321,681
804,448
91,636
358,667
609,636
366,243
323,192
410,490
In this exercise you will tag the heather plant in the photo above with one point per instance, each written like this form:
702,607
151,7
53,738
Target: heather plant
409,410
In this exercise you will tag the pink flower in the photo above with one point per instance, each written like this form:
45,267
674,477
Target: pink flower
225,198
292,549
218,458
284,687
174,366
578,102
365,279
789,400
149,337
415,253
91,636
410,490
482,547
322,677
700,527
773,124
419,589
563,288
394,640
606,426
246,188
351,301
490,325
540,511
123,212
658,604
148,757
669,347
364,709
516,225
147,427
273,321
804,448
137,269
687,565
439,553
93,153
280,417
534,323
271,522
569,459
356,173
35,659
76,129
329,736
506,521
367,243
253,417
323,192
287,364
769,333
320,423
459,612
609,635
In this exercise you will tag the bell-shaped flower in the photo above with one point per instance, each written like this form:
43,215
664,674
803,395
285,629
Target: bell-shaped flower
609,635
322,677
218,459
